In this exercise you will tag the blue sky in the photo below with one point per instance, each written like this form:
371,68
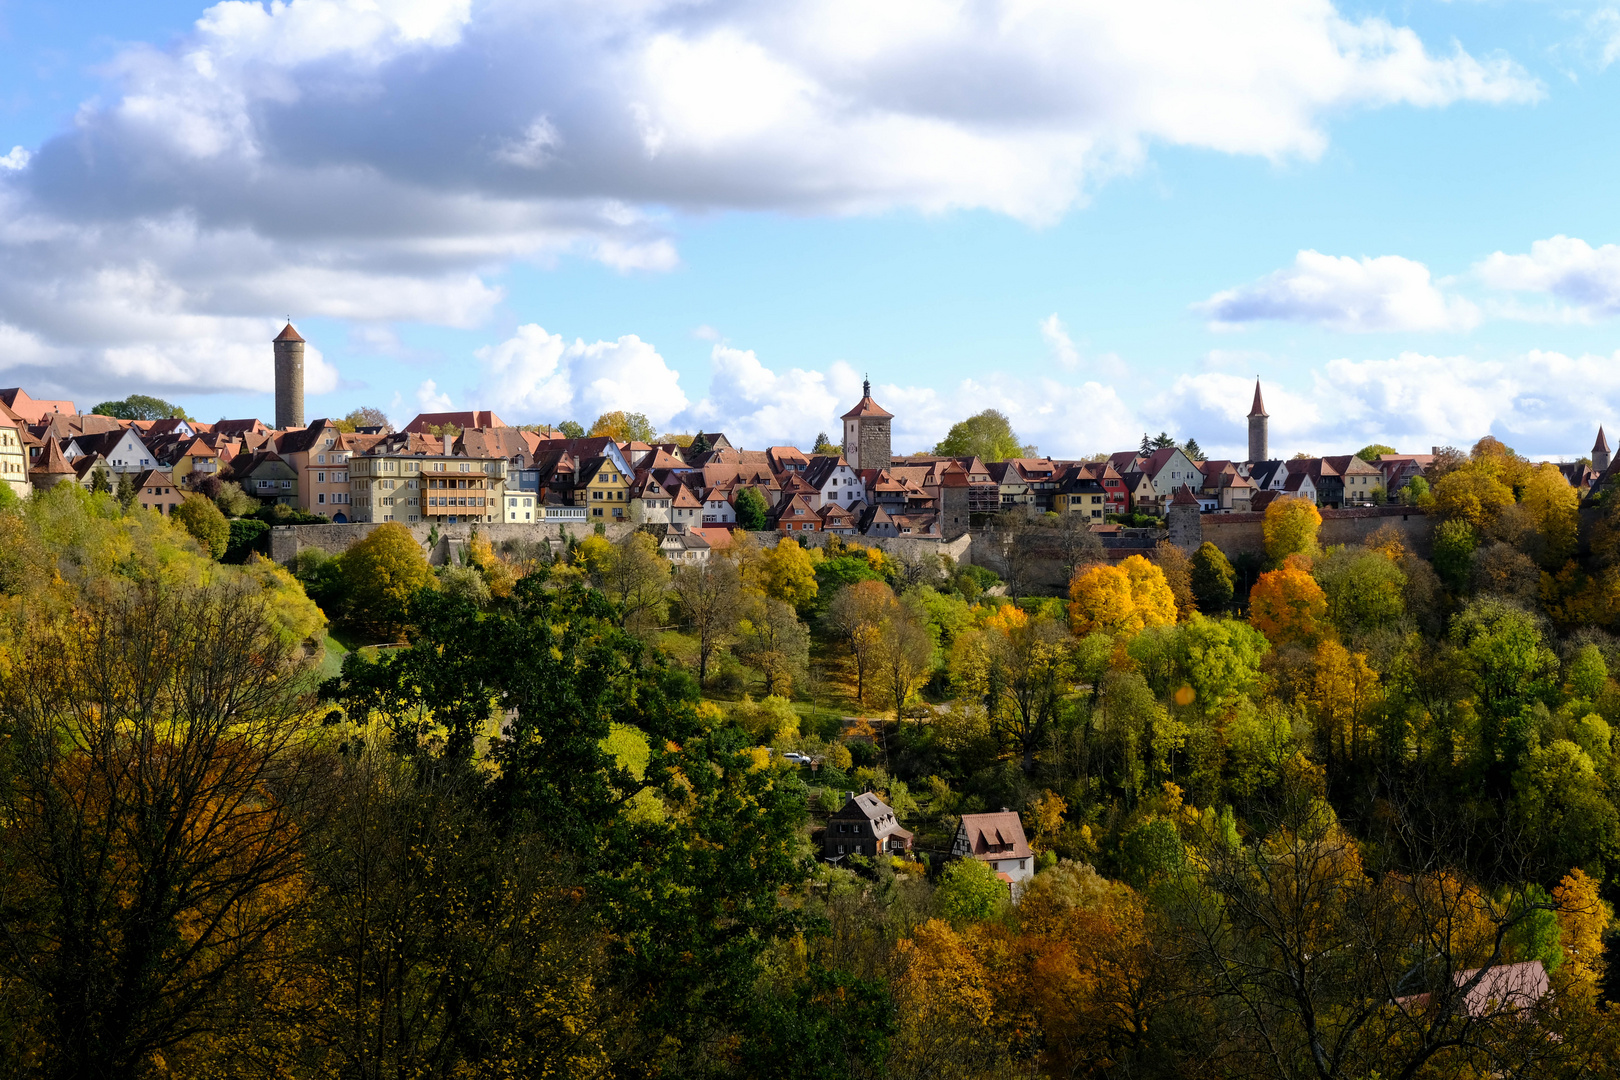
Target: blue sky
1101,218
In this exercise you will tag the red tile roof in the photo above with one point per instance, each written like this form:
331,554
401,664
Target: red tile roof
289,334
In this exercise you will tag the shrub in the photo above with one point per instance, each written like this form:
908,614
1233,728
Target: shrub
205,523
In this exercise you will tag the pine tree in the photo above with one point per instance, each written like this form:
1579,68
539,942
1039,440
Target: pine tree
700,445
1193,450
1147,445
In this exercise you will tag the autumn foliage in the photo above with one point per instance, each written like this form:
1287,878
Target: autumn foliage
1120,599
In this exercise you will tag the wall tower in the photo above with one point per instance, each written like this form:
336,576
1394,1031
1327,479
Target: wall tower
866,433
289,379
1258,450
1600,452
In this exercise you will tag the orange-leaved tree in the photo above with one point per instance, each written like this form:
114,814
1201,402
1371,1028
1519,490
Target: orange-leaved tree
1120,599
1288,606
1290,529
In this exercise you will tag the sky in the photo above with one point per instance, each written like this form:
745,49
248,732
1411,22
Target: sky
1102,218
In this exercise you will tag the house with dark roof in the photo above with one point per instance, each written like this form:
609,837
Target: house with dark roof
124,450
998,841
266,476
864,825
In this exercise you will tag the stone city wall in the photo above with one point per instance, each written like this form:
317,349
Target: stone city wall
1236,534
288,540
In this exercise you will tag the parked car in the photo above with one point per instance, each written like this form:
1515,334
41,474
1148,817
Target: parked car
796,757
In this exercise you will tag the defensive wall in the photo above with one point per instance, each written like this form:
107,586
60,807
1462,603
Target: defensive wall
1044,569
1236,534
288,540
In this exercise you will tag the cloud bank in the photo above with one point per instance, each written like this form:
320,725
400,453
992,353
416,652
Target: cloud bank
383,160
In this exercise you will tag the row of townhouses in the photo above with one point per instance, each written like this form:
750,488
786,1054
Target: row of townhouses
473,467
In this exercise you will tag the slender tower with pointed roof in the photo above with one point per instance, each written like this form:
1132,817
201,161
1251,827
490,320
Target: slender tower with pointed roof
1258,450
1600,452
866,433
289,346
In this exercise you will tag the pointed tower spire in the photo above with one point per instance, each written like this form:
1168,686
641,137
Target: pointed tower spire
1258,448
1600,452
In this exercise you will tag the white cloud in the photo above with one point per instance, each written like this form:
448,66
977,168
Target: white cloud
430,399
381,160
537,377
1387,293
757,407
1056,335
1569,269
1543,403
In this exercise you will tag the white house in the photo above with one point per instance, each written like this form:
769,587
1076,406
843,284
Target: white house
835,482
997,839
123,449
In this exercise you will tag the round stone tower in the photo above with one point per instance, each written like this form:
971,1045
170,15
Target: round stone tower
289,379
1258,450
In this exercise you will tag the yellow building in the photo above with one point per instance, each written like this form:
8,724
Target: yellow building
409,478
605,488
13,454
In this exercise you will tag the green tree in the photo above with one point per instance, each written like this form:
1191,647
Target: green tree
384,572
1213,579
152,847
572,429
1453,556
1588,672
366,416
205,523
1193,450
1163,441
247,537
751,509
970,891
637,580
1373,451
126,494
711,600
621,426
824,445
1508,665
987,435
1365,590
140,407
99,484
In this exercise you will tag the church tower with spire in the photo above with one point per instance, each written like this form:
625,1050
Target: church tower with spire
866,433
1258,450
1600,452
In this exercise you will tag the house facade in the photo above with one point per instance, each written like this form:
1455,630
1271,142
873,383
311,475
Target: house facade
14,453
864,825
997,840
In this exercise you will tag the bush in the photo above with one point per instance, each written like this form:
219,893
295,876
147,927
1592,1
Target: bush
970,891
205,523
247,535
384,572
323,580
233,501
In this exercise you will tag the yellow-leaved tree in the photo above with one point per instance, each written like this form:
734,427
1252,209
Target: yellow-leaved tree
789,573
1583,916
383,572
1553,505
1288,606
1290,529
1120,600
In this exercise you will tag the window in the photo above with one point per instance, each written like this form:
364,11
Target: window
320,459
321,498
320,477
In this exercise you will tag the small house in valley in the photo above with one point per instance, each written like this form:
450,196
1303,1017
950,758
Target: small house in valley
864,825
997,839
